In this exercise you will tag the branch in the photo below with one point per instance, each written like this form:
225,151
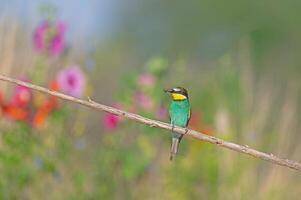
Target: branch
153,123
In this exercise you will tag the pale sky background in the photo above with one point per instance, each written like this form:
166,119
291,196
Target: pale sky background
91,17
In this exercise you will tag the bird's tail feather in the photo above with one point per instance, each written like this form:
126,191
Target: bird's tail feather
174,148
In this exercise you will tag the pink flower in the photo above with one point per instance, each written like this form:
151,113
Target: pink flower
111,121
144,101
146,80
49,38
72,81
22,96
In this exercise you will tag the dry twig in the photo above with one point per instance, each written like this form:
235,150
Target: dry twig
153,123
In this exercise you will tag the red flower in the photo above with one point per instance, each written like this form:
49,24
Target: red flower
42,114
15,112
54,86
196,123
16,109
46,108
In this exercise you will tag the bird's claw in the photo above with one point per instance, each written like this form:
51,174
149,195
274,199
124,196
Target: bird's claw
172,127
186,131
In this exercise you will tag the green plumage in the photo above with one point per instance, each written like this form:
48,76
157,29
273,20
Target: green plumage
179,112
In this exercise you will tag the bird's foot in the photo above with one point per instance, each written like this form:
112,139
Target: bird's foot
186,131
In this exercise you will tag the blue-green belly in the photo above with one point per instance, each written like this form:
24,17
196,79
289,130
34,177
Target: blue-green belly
179,112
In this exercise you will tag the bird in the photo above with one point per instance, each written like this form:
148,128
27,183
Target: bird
179,113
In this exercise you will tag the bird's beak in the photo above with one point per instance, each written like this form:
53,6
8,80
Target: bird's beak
168,90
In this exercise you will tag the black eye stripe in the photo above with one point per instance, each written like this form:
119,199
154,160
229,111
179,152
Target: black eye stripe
183,92
179,90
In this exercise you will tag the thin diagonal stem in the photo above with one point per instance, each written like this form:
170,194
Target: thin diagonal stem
154,123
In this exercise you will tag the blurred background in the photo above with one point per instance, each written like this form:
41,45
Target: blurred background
239,60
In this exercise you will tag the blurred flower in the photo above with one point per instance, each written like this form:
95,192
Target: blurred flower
49,37
162,113
144,101
54,86
195,120
110,121
42,113
46,107
1,98
72,81
146,80
57,45
196,123
15,109
21,97
14,112
39,37
39,99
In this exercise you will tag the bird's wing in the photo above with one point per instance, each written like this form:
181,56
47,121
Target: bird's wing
188,119
189,115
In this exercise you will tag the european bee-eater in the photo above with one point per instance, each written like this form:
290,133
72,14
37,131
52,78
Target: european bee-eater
179,112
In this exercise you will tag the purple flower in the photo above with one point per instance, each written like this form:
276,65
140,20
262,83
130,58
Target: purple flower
72,81
49,37
57,45
146,80
39,37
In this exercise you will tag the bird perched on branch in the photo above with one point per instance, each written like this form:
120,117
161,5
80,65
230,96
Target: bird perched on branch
179,112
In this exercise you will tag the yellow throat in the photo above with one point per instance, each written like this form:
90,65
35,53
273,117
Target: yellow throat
177,97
